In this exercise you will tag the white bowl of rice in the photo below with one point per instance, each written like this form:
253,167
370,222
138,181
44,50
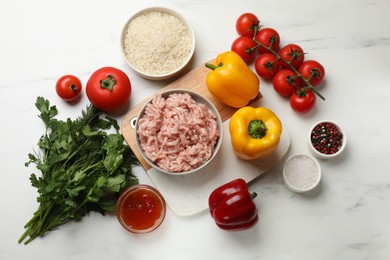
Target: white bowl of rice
178,132
157,43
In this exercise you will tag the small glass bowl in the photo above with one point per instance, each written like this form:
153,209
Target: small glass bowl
150,192
327,139
301,173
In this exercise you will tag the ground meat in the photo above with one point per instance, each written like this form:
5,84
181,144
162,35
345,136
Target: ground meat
178,133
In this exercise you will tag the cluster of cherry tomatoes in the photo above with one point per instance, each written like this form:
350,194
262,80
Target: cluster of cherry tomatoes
292,76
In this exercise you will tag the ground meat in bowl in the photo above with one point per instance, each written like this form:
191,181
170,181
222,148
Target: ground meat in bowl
177,133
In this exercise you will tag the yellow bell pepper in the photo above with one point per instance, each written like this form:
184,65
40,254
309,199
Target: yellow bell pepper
254,132
232,82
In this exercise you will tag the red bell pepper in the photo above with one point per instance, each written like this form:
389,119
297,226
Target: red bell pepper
232,207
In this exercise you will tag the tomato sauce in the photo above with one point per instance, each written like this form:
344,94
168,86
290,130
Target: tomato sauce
141,209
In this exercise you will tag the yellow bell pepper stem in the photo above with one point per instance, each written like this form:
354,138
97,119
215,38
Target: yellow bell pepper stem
257,129
231,81
254,132
212,66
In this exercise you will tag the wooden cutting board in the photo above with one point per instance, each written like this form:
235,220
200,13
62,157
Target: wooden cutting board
188,195
195,81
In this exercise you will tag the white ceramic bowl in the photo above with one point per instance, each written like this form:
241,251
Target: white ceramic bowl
157,76
301,173
198,98
327,140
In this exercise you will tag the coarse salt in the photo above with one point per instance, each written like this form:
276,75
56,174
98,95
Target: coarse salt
301,172
157,42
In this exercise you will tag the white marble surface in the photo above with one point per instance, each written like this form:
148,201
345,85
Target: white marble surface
347,217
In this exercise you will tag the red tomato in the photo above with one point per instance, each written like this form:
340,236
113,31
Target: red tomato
267,65
291,53
303,102
285,82
242,46
108,89
246,24
269,38
68,87
312,70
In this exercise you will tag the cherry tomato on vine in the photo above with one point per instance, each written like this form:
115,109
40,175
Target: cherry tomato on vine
267,65
285,82
312,70
243,46
303,101
108,89
246,24
269,38
68,87
292,53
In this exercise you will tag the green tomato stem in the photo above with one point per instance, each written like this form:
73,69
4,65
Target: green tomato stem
73,87
108,83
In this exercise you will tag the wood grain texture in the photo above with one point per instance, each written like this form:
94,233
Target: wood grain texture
194,80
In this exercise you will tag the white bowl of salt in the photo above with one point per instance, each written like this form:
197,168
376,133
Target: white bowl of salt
301,173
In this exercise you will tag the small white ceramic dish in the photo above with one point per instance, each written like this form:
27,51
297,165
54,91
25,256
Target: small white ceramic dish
321,134
158,76
301,173
198,98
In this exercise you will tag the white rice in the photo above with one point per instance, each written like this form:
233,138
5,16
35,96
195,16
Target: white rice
157,43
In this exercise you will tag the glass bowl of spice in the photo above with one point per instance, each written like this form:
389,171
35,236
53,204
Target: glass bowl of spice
157,43
141,209
301,173
326,139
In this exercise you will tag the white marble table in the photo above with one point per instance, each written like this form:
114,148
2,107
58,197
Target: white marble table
347,217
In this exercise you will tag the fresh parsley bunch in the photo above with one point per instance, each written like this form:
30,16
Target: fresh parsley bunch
83,168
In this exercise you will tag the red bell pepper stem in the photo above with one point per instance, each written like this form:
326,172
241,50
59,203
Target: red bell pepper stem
253,195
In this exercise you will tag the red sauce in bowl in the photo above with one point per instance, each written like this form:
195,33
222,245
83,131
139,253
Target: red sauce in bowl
141,209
